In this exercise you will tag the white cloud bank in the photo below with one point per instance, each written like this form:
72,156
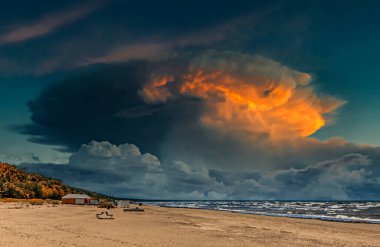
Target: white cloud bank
123,170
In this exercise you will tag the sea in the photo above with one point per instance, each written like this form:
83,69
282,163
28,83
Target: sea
342,211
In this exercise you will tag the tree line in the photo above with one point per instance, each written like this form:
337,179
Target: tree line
17,183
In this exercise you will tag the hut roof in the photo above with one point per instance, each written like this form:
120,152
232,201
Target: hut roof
82,196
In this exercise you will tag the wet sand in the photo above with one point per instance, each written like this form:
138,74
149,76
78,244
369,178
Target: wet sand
67,225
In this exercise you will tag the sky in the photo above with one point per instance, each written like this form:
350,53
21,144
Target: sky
194,100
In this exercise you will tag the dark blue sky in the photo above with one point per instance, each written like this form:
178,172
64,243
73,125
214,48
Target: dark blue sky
72,72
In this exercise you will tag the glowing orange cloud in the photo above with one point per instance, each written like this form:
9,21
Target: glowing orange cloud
245,93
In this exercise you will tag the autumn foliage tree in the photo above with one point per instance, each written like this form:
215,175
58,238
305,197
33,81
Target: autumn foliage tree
17,183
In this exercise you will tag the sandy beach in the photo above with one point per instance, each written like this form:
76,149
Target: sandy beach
69,225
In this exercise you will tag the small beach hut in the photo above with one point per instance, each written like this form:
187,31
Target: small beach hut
123,203
78,199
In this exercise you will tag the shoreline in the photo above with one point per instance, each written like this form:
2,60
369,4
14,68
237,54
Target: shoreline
291,216
71,225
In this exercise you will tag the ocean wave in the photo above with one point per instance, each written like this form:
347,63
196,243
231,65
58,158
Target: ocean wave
355,212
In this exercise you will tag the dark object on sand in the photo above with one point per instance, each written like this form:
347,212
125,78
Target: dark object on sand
106,205
140,204
104,216
133,210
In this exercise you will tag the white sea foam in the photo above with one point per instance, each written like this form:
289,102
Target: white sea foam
364,212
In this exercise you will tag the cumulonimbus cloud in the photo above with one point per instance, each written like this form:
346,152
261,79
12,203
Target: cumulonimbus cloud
220,125
193,108
245,93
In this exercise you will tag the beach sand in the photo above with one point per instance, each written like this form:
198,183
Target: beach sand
69,225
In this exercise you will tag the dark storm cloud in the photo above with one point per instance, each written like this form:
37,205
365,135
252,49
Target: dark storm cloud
105,102
197,160
102,103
